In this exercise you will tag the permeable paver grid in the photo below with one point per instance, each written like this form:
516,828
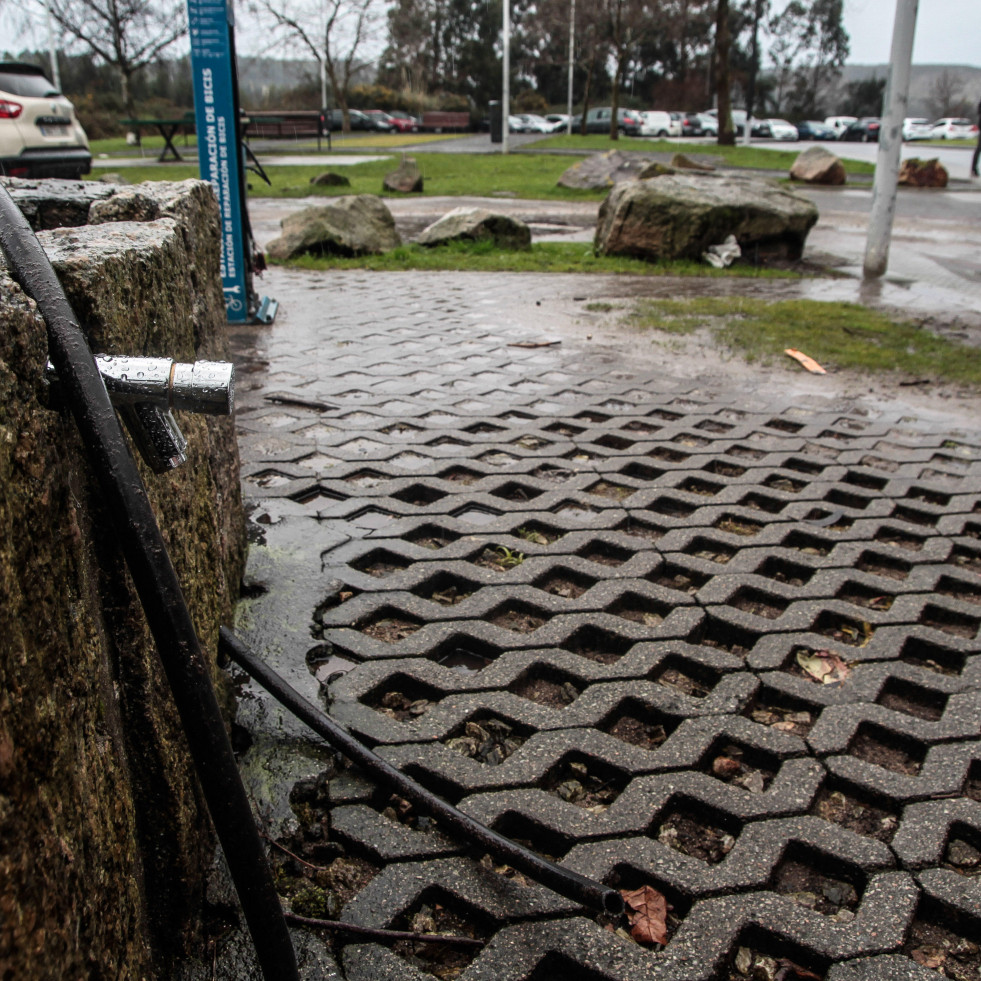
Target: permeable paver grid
706,640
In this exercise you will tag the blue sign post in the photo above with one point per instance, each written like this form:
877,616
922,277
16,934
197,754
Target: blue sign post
216,120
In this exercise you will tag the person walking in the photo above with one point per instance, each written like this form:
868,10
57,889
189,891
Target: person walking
977,149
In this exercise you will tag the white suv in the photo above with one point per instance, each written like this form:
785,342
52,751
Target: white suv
39,134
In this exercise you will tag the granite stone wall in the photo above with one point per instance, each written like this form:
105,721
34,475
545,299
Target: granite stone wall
103,837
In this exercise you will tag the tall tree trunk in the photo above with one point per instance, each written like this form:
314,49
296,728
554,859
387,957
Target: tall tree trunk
617,72
585,94
683,48
754,64
615,103
126,91
727,136
435,75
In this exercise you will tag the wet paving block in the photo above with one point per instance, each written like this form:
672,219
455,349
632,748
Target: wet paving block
585,599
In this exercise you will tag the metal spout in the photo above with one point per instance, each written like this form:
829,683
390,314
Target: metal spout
204,386
145,390
156,435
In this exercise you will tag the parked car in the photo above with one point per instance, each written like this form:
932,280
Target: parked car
40,135
738,120
840,123
691,124
529,122
598,121
813,129
780,129
660,124
392,122
406,122
864,130
953,128
558,120
358,120
380,121
710,124
916,128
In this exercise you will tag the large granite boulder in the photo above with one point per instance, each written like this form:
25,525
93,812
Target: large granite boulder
679,216
405,179
681,161
816,165
357,224
654,169
603,170
330,178
57,204
922,173
104,840
476,224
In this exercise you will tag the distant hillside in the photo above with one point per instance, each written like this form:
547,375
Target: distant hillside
934,90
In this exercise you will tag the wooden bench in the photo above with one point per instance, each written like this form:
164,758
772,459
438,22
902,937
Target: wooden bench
445,122
289,124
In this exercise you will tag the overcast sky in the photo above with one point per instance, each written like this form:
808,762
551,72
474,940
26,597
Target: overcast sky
948,32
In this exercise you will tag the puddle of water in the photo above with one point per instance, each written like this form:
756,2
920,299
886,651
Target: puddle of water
466,662
331,666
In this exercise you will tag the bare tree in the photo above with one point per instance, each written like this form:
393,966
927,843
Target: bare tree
335,33
809,47
125,34
946,95
629,24
546,43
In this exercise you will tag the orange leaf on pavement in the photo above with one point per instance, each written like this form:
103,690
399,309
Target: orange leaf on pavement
808,362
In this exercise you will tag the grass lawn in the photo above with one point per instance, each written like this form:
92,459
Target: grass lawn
152,143
518,175
836,335
750,157
575,257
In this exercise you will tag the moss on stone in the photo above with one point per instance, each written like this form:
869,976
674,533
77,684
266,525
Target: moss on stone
103,839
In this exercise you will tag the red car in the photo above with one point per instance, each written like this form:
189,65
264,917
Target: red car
404,122
390,123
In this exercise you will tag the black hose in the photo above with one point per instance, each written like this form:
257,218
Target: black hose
159,591
566,883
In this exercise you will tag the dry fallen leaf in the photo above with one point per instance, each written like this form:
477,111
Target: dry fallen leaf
648,920
725,767
824,666
808,362
932,957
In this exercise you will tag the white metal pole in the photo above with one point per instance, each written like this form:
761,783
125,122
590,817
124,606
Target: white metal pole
506,87
52,49
572,55
890,141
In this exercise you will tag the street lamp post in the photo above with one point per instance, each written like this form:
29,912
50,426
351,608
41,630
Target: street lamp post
572,52
52,49
890,141
506,87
